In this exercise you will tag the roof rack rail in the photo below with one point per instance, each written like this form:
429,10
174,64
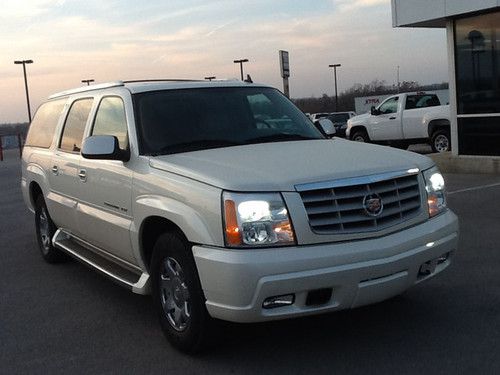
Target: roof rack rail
87,88
162,80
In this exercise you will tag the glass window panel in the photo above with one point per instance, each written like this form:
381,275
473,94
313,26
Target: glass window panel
174,121
389,106
111,120
43,126
478,64
479,136
75,125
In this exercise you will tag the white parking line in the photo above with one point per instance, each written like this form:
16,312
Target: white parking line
474,188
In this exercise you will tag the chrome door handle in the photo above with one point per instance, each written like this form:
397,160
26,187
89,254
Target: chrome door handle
83,175
55,170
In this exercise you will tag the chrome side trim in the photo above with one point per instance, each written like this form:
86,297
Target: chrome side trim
355,180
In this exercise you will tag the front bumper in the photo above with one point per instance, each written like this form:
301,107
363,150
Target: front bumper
236,282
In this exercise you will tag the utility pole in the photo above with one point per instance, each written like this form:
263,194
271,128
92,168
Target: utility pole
24,62
335,66
241,61
87,81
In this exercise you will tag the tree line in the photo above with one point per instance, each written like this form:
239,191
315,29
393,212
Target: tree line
376,87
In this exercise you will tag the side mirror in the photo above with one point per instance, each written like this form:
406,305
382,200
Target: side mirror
104,147
374,111
327,127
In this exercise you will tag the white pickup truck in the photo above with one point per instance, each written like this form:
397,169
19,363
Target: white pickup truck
405,119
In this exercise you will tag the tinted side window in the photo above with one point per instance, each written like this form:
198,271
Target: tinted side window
111,120
389,106
421,101
43,126
75,125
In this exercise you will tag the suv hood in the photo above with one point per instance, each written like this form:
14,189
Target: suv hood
280,166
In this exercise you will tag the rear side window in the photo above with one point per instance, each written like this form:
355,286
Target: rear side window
111,120
44,124
75,125
421,101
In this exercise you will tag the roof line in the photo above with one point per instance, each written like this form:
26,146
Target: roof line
87,88
162,80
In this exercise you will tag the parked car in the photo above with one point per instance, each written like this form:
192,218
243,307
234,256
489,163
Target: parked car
316,116
339,120
223,201
405,119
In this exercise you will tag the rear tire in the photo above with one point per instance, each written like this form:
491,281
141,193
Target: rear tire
177,294
441,141
360,136
45,230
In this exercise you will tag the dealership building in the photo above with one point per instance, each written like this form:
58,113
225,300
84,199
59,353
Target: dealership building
473,38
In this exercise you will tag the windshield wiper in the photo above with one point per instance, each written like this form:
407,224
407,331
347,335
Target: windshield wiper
279,137
195,146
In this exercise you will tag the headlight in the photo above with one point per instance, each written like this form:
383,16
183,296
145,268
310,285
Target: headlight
253,220
436,194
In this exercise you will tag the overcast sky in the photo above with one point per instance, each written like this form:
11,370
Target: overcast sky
107,40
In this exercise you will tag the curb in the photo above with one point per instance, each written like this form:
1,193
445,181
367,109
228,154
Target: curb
449,163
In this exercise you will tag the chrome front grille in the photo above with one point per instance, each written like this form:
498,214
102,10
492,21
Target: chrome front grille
342,208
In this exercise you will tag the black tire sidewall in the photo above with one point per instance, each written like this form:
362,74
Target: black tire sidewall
53,255
192,338
361,134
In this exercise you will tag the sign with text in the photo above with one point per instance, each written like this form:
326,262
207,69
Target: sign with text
284,64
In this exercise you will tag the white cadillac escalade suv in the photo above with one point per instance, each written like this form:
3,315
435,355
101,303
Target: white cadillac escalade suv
223,201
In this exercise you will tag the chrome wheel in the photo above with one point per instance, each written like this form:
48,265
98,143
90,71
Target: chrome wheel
358,138
174,294
441,143
44,229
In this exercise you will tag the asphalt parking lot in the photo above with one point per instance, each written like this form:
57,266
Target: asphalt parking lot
68,319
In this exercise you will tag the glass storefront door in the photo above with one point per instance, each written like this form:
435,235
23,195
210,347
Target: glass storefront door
477,61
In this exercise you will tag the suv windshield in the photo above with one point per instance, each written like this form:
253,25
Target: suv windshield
174,121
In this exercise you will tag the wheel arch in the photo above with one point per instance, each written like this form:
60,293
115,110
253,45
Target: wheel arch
437,124
151,228
35,191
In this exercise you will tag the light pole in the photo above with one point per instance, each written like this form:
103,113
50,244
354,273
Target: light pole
335,66
241,65
210,78
24,62
87,81
399,84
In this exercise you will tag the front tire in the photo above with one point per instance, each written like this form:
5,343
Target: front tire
45,230
177,293
360,136
441,141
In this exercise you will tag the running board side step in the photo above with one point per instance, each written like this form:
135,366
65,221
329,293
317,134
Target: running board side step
133,279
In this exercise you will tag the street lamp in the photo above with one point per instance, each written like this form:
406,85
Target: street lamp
24,62
241,65
87,81
335,66
210,78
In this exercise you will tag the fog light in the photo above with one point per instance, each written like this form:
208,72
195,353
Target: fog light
278,301
443,258
427,268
